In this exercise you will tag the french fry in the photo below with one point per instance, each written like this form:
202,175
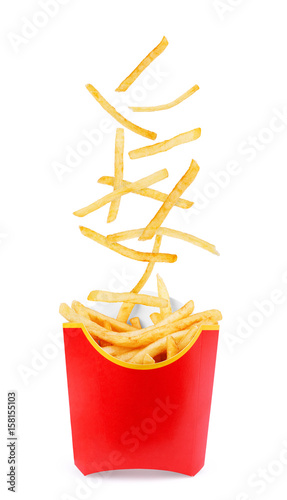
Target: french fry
134,298
171,104
135,322
147,192
126,83
128,252
121,191
120,118
119,173
163,146
191,334
164,210
163,293
127,356
100,318
156,348
107,325
155,317
126,308
171,347
148,360
115,350
163,231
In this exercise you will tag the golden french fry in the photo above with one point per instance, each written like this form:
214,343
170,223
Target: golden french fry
191,334
164,210
120,118
134,298
155,317
171,347
128,252
135,322
163,231
171,104
126,308
147,192
163,293
115,350
119,173
148,360
121,191
100,318
103,343
163,146
126,356
156,348
142,65
107,325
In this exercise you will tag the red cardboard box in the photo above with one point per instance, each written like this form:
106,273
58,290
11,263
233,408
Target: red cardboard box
126,416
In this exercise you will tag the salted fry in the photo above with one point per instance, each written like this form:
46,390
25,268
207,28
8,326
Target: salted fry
126,83
107,325
121,191
155,317
147,192
163,231
119,173
148,360
115,350
192,333
163,293
161,147
135,322
171,104
171,347
127,356
100,318
126,308
134,298
128,252
164,210
158,347
120,118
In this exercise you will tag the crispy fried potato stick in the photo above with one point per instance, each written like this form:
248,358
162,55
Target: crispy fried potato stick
135,322
163,231
157,347
126,309
171,104
161,147
134,339
171,347
115,350
120,118
126,83
119,173
166,207
128,355
107,325
163,293
192,333
121,191
148,360
155,317
100,318
147,192
128,252
134,298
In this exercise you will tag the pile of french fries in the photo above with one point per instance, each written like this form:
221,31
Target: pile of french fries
171,331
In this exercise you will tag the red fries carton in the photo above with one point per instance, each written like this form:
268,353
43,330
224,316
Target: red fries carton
126,416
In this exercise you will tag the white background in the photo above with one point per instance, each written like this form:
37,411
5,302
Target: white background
236,52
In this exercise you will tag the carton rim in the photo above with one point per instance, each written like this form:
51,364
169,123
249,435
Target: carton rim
134,366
